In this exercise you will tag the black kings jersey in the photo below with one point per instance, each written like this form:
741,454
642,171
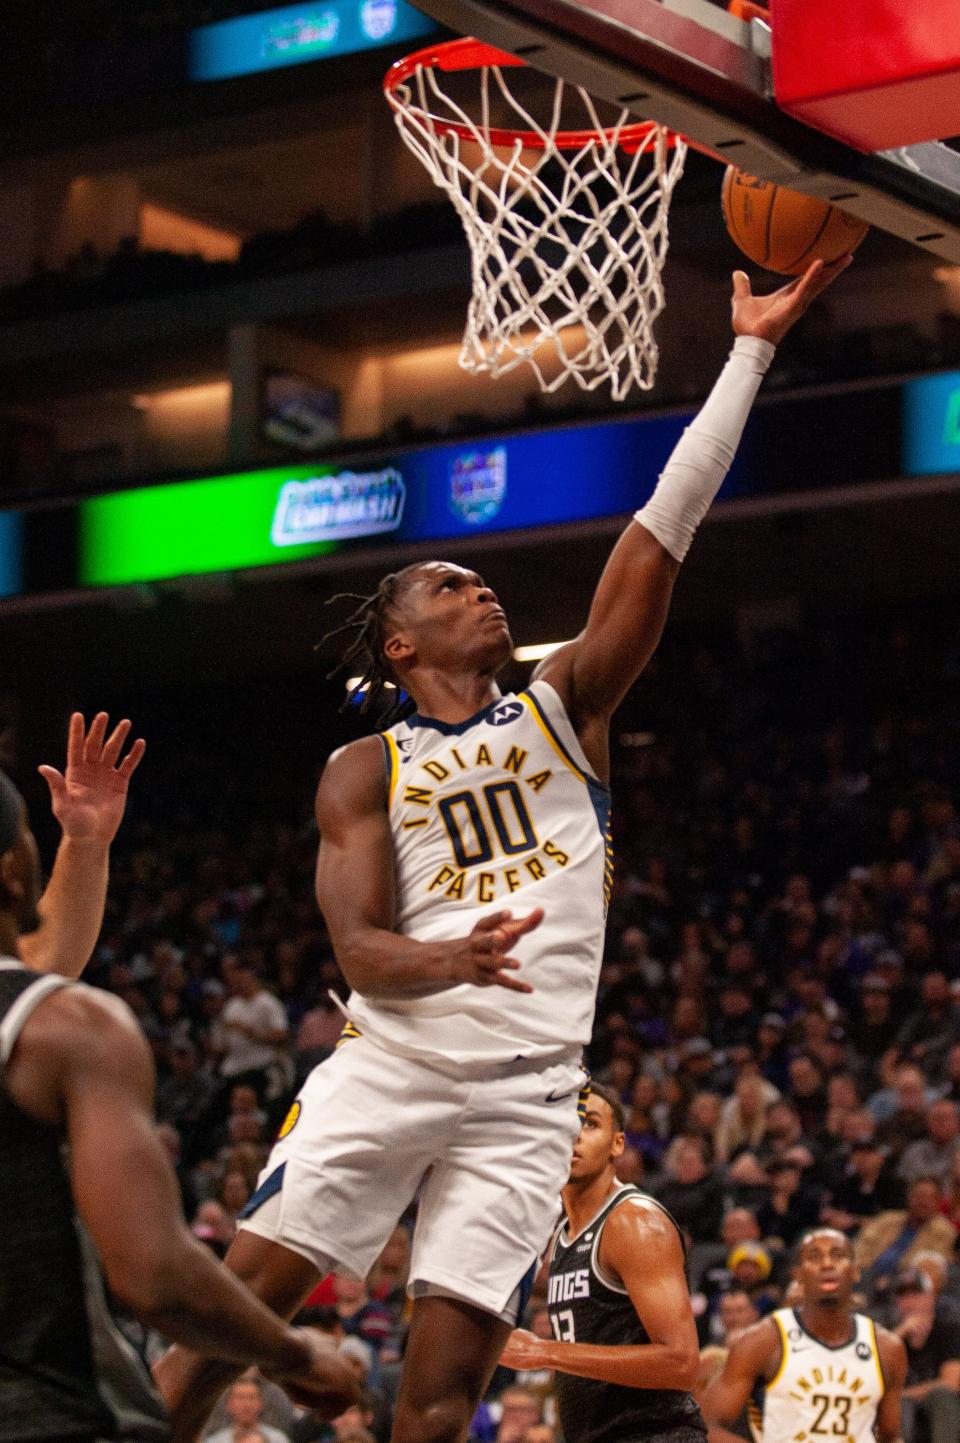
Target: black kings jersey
66,1372
587,1306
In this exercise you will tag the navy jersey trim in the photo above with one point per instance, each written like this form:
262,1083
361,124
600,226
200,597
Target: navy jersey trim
454,729
267,1189
526,1288
564,750
831,1347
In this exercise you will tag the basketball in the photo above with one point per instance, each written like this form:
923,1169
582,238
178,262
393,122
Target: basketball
782,229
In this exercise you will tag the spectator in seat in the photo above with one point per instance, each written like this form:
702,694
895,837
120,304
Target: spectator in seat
907,1122
892,1239
213,1225
874,1029
256,1030
935,1154
388,1278
771,1049
808,1093
703,1116
935,1268
244,1406
185,1096
750,1267
784,1133
691,1193
520,1409
791,1206
743,1117
930,1329
736,1311
734,1023
868,1186
359,1316
928,1035
707,1264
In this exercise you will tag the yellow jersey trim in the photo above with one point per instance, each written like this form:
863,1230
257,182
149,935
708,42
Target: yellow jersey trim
875,1349
541,722
393,761
784,1353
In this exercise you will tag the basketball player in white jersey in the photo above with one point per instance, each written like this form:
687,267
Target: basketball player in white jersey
462,874
826,1372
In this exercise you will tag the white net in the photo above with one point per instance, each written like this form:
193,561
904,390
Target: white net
567,240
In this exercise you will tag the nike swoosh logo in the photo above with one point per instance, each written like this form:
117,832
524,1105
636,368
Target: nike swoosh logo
558,1096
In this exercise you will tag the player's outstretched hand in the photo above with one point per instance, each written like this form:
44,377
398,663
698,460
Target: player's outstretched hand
524,1351
328,1388
770,317
90,796
482,957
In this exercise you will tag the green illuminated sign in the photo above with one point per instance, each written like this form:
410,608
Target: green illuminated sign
951,429
259,518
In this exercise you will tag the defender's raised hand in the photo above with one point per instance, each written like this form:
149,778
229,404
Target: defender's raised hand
770,317
90,796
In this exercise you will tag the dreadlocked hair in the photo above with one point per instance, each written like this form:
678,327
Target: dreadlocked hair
369,622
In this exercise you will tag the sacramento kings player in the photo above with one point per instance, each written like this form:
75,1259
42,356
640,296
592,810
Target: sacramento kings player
75,1069
625,1353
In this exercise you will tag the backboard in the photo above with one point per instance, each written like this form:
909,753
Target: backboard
693,67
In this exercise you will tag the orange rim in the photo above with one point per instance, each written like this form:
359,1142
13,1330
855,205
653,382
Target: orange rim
469,54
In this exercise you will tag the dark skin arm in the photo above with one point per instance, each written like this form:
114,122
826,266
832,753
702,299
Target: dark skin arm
356,890
755,1355
593,674
82,1064
639,1247
893,1361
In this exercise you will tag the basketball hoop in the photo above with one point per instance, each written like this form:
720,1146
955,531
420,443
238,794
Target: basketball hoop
567,225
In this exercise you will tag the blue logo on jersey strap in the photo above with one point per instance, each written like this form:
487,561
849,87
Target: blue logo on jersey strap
862,1350
506,714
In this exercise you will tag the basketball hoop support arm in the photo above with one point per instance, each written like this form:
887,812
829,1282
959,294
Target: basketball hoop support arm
695,69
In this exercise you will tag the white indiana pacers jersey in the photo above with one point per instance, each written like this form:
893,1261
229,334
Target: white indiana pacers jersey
822,1394
500,811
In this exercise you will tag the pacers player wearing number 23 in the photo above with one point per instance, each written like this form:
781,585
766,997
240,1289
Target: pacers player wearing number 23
462,874
826,1373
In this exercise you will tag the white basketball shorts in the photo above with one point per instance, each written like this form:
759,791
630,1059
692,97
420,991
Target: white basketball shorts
365,1129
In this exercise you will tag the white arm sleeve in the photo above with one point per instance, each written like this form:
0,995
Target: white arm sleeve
704,454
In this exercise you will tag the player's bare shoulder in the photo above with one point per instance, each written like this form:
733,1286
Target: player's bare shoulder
75,1030
354,781
643,1221
759,1349
639,1237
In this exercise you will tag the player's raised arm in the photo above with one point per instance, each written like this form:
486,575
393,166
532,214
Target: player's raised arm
629,610
88,799
356,890
754,1355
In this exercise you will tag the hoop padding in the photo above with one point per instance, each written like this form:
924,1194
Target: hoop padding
567,227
